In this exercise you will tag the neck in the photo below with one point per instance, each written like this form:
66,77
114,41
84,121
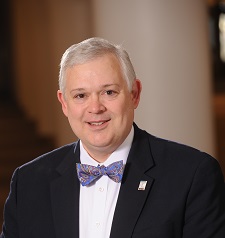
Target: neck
99,156
100,153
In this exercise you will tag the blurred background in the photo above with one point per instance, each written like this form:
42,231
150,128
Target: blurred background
177,48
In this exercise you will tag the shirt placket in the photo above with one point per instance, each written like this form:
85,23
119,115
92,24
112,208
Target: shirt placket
99,204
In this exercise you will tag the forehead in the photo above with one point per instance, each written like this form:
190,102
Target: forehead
104,67
106,60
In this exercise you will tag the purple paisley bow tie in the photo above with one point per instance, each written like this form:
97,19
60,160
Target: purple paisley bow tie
88,173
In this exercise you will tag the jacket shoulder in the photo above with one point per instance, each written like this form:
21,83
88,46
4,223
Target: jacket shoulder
164,150
50,159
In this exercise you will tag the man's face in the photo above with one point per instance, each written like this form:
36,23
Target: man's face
98,104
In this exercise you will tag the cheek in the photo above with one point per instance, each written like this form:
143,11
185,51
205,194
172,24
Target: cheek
128,104
75,112
126,109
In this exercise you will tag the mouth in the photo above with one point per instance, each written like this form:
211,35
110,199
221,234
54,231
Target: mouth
98,123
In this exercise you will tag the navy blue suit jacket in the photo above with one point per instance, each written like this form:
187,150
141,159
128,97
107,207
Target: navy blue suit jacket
184,196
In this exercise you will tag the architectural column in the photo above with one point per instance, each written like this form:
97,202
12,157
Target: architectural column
169,45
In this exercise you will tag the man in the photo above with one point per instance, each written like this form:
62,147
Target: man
167,189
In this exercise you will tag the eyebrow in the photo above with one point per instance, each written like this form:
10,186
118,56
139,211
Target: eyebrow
78,89
108,85
102,86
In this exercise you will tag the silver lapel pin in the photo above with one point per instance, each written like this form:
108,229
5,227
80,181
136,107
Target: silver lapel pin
142,185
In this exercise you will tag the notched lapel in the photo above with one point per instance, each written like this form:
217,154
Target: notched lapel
129,206
131,200
65,198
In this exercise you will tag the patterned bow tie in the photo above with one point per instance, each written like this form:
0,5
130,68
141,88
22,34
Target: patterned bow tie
87,173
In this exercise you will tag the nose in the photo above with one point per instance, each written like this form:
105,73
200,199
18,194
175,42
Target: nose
95,105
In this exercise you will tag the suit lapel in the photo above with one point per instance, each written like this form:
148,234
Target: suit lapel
65,197
131,200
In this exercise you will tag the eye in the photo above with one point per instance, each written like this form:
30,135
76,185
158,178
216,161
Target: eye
79,96
110,92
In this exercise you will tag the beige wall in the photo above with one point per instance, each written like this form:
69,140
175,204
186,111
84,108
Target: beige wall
169,46
42,32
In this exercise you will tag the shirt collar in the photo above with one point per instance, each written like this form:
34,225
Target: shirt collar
121,153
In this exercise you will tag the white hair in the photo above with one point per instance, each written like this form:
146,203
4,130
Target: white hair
91,49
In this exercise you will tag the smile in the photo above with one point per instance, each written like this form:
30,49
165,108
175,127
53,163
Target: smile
97,123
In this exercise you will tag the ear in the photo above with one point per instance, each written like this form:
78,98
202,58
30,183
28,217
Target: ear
63,102
136,92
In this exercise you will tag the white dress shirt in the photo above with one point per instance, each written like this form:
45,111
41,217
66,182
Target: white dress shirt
98,201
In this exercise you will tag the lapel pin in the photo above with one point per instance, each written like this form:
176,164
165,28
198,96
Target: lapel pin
142,185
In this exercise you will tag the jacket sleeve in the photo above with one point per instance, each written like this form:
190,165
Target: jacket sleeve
10,228
205,206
